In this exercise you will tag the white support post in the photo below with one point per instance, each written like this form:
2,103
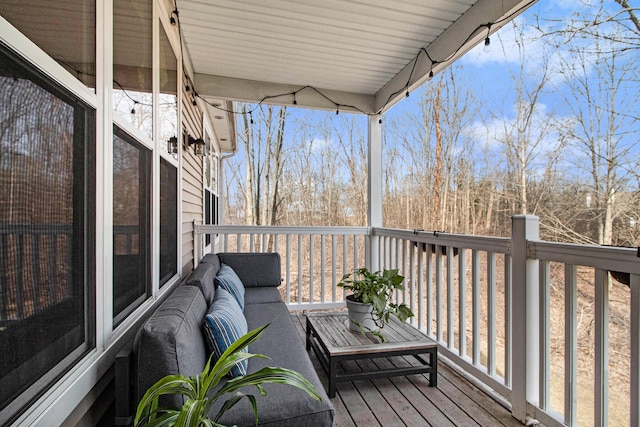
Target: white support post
634,321
601,386
374,170
526,358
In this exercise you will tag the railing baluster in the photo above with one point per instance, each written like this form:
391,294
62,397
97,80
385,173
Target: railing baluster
20,276
323,263
356,261
601,385
334,282
634,373
288,263
35,248
450,304
4,276
462,302
53,277
345,257
439,318
507,321
311,271
570,344
300,251
420,287
429,290
412,260
276,239
545,334
491,312
475,278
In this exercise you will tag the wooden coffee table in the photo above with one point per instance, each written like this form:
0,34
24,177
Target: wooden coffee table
333,342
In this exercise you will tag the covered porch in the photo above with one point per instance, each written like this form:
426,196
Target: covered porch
484,300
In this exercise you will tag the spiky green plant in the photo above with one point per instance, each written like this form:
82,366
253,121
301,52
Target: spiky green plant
377,288
198,389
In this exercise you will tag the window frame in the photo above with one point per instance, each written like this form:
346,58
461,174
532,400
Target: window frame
83,244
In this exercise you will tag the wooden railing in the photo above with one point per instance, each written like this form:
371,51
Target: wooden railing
487,302
34,272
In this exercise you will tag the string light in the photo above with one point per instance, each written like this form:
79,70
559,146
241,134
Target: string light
487,41
251,116
133,109
423,50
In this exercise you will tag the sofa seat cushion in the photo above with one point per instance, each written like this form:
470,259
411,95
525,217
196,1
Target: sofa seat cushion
283,406
228,279
223,325
261,295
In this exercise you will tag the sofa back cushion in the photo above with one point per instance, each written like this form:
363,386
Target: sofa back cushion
254,269
203,277
212,259
171,342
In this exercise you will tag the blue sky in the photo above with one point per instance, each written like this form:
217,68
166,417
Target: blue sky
489,75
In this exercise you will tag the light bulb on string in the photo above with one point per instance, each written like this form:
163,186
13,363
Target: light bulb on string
487,45
487,40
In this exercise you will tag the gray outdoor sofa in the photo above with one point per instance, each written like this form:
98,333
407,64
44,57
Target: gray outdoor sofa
172,341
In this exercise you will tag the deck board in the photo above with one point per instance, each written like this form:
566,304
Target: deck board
409,400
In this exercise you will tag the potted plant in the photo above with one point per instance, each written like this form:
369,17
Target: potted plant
371,302
199,389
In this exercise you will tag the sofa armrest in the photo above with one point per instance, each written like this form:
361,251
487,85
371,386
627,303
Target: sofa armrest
254,269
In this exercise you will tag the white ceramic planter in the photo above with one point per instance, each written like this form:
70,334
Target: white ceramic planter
360,314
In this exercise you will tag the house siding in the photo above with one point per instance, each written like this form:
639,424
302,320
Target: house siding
192,180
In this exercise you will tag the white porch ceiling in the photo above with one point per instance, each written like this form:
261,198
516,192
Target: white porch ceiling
358,53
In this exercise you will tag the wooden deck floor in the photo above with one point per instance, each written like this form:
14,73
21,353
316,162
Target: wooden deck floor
410,401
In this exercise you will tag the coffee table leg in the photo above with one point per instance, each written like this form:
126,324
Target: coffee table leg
332,377
433,361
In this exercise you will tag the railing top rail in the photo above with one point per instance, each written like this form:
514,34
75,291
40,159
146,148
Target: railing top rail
270,229
602,257
484,243
35,228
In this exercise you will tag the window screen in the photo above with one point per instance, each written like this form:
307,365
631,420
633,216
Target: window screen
47,237
131,223
168,221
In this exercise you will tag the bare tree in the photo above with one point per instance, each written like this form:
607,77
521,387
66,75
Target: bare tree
597,71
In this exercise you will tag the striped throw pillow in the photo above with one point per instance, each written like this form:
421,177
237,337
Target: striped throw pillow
223,325
228,279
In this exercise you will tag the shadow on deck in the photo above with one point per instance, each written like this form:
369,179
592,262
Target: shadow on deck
410,401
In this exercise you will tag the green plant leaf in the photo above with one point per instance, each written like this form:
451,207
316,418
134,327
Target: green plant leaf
270,375
171,384
191,413
228,404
